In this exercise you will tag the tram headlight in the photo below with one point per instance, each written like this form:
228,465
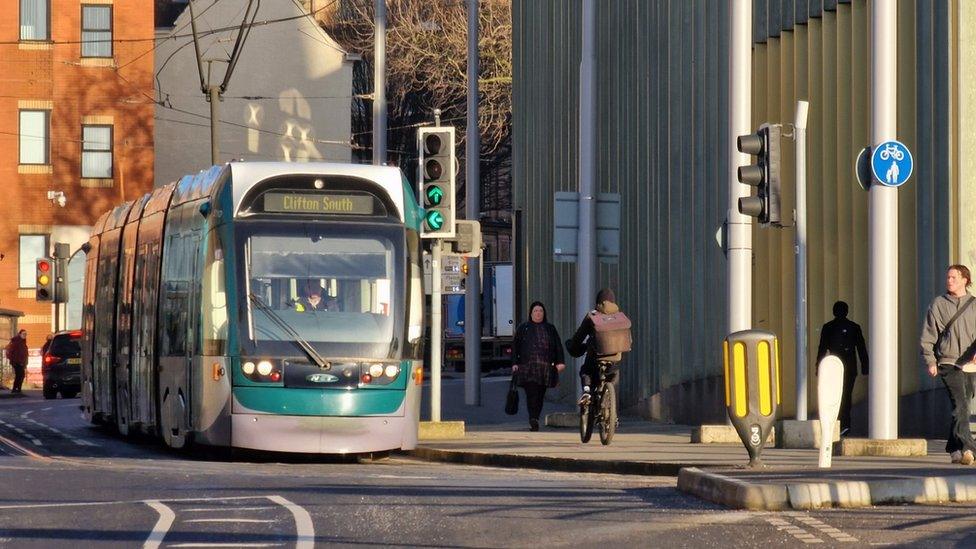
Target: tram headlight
264,368
248,368
392,370
376,370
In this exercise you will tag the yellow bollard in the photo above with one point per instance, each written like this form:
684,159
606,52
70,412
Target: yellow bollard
752,387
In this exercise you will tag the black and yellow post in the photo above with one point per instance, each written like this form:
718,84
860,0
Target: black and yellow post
752,387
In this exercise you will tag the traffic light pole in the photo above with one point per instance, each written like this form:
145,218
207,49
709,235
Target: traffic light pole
472,155
883,232
586,247
379,86
436,330
800,135
739,289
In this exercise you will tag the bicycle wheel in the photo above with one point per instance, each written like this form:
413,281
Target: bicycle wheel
608,413
586,421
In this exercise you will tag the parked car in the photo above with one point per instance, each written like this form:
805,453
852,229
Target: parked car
61,365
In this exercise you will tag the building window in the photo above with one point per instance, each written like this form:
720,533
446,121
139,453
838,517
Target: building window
96,31
35,19
32,247
34,132
96,152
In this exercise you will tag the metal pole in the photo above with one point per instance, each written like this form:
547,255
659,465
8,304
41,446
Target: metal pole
800,133
379,86
472,289
739,290
883,232
436,330
586,248
213,93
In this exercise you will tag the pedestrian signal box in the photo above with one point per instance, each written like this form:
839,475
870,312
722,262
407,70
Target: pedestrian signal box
436,179
752,387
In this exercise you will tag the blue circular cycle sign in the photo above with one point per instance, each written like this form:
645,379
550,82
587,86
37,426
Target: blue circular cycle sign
892,163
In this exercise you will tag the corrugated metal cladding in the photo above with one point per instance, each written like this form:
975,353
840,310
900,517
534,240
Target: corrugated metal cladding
662,123
826,61
662,99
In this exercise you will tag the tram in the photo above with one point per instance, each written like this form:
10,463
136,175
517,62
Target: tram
269,306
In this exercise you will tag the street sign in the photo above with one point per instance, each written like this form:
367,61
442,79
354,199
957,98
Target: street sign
892,163
862,168
452,274
566,227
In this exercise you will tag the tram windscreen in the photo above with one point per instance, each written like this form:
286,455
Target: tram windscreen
338,292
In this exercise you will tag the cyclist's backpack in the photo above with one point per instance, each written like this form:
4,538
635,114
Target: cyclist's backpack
611,333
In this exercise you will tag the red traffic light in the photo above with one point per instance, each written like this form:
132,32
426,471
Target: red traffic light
43,266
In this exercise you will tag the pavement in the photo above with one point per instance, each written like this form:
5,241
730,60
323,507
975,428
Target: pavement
790,478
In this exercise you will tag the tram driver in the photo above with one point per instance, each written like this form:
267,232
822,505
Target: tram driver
314,298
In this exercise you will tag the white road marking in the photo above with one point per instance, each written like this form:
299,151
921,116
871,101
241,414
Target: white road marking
235,520
226,545
162,525
45,409
212,509
77,441
123,502
795,531
823,527
305,538
25,414
23,433
305,530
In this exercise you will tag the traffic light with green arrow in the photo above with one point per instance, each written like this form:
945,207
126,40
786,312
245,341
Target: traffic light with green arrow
437,166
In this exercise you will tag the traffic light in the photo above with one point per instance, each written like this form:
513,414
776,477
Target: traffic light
437,167
44,269
763,174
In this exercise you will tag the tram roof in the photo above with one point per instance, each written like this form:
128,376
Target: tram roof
245,175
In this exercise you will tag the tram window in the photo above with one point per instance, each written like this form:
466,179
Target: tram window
328,289
214,300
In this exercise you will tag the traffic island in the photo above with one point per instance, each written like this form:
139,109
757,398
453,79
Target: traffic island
777,489
441,430
902,447
562,419
802,434
723,434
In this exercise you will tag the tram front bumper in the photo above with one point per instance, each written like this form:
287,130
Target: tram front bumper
322,434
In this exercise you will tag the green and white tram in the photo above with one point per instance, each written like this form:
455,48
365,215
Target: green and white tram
270,306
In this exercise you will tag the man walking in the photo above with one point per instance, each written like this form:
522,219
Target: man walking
843,339
17,356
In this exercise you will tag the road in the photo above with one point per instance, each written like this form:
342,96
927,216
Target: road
65,483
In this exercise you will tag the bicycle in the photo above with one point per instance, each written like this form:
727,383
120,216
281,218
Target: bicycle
601,409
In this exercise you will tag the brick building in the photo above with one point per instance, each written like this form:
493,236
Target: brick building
76,118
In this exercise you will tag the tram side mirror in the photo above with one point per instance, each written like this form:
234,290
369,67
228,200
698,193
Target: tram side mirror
205,208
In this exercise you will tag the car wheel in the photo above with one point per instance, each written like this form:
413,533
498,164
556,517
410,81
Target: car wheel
50,394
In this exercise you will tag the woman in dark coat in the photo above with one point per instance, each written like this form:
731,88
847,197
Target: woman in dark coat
537,349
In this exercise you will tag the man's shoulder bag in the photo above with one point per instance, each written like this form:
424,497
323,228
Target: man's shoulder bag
952,320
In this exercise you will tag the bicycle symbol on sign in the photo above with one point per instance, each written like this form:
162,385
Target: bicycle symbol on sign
892,151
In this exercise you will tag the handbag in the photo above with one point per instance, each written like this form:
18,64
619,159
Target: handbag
512,399
553,375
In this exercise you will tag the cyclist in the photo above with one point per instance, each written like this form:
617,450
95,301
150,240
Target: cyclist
583,341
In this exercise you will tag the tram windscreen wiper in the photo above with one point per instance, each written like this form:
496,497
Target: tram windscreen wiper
298,339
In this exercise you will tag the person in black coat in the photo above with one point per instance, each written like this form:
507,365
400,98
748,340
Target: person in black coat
843,339
537,350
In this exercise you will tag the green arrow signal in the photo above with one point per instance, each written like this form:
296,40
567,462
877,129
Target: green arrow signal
434,195
434,220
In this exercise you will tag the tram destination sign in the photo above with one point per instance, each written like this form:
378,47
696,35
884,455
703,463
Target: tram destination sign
319,203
